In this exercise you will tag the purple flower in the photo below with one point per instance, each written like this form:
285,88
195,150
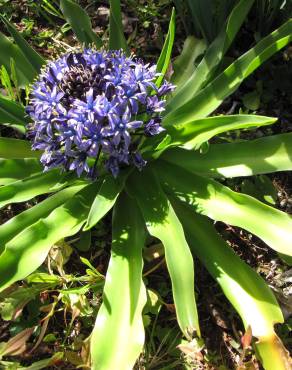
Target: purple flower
86,108
153,127
138,161
165,88
154,105
113,166
120,127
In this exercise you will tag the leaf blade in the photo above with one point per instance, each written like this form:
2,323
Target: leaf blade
254,157
193,134
220,203
11,112
16,149
244,288
15,169
240,283
24,70
27,251
18,223
213,56
184,64
104,201
80,23
162,222
123,339
117,38
30,187
29,53
211,96
165,55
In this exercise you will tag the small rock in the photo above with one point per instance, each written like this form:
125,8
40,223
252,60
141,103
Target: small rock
102,11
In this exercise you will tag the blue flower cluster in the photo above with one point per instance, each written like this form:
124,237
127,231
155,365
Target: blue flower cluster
92,108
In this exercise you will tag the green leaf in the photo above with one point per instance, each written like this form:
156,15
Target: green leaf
16,149
80,23
164,58
47,363
162,222
84,243
6,83
213,57
273,354
18,223
15,300
184,64
118,336
15,169
260,187
244,288
24,70
201,11
11,113
252,100
87,263
210,97
29,53
116,35
264,155
220,203
104,200
286,259
27,251
193,134
30,187
42,278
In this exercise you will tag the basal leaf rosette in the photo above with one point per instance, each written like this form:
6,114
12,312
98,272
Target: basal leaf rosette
91,110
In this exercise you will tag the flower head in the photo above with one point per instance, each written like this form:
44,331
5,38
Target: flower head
92,108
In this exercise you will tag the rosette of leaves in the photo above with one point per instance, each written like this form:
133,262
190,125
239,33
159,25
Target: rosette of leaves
174,197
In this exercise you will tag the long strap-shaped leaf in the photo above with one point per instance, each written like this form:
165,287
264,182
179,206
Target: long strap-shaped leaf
208,99
11,112
162,222
264,155
194,134
27,251
116,35
118,335
15,169
24,70
30,187
164,58
15,148
213,57
29,53
104,200
220,203
18,223
244,288
202,14
184,64
80,23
